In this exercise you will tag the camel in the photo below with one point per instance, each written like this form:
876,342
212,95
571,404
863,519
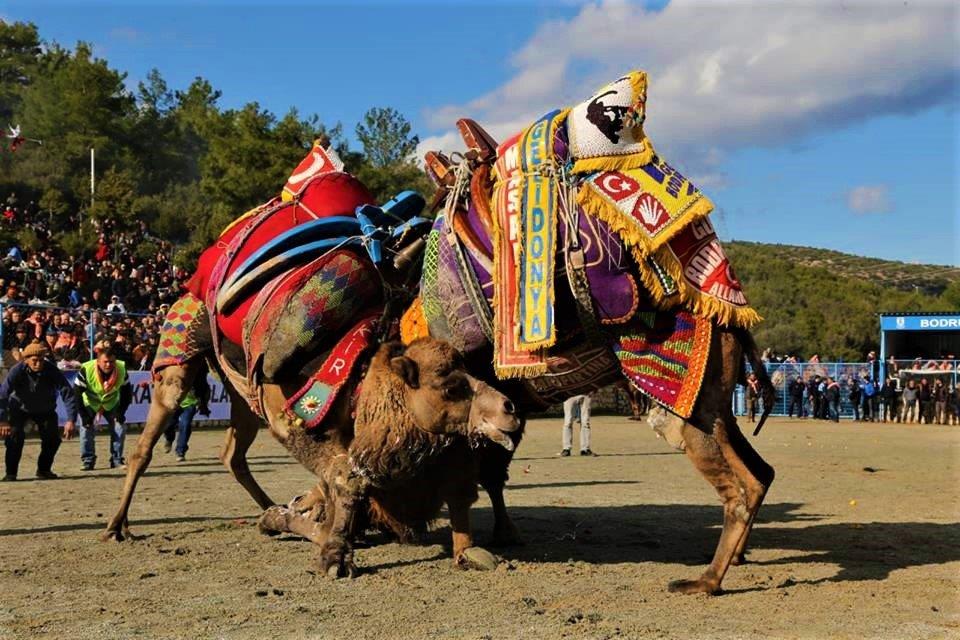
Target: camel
600,260
423,425
419,420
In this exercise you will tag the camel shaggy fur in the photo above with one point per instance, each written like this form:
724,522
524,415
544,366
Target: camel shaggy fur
421,425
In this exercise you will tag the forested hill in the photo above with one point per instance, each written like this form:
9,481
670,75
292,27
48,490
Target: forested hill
826,302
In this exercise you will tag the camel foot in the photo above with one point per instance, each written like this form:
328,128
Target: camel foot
694,586
475,558
111,535
738,560
273,521
336,560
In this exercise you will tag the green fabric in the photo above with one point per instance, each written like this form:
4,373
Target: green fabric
189,400
94,396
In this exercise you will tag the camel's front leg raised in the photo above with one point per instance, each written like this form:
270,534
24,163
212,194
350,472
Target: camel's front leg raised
171,386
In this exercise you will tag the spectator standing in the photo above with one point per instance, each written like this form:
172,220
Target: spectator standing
939,393
813,395
753,397
869,392
580,406
855,396
30,393
833,399
911,395
925,402
103,385
796,397
888,395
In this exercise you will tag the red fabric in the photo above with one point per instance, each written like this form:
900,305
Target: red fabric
103,251
327,195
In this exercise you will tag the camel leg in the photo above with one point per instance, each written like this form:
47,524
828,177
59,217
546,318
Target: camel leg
279,519
241,433
465,555
348,493
170,388
706,455
755,477
505,533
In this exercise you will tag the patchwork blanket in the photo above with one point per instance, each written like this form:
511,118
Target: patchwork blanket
179,337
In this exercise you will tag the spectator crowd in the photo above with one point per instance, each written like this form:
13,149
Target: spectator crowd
108,294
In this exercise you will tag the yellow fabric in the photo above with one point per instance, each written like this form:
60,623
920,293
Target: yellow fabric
538,327
644,211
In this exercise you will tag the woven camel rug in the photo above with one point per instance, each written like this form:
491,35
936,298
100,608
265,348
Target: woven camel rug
664,355
178,336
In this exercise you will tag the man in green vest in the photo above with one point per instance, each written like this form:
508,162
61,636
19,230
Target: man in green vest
105,390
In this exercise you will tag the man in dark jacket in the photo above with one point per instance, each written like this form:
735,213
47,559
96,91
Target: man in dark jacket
813,392
796,397
30,393
832,399
888,395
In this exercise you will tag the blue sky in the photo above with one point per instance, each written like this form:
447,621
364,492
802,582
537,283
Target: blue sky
826,125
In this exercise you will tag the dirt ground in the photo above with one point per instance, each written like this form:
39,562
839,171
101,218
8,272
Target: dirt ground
860,537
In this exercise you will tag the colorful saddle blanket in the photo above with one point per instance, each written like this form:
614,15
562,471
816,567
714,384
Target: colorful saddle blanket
184,335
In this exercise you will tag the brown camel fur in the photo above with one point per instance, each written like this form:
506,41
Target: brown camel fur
418,413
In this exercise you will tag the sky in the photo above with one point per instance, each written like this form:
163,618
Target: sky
829,125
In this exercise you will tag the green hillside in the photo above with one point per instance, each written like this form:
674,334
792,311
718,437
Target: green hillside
826,302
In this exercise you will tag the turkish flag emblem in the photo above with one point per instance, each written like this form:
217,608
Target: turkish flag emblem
616,185
316,163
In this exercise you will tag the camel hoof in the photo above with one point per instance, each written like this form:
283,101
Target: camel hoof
693,586
336,561
477,558
738,560
111,535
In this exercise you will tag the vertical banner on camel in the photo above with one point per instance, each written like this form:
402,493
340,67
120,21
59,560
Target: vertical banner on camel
142,394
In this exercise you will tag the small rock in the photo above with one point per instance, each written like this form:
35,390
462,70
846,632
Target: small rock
789,582
99,515
539,612
575,618
869,469
278,592
144,576
261,593
528,601
934,609
180,551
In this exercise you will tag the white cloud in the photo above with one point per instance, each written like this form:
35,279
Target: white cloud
869,199
730,75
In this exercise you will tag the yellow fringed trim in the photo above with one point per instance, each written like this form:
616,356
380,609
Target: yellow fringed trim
413,324
688,296
595,205
616,163
521,372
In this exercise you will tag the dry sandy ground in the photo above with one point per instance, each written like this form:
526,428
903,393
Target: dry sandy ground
860,537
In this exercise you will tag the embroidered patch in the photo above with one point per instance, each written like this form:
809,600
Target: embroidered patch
312,403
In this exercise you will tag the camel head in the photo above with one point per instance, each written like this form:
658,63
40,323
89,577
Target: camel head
430,384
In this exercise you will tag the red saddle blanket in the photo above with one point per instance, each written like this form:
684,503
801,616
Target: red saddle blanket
326,195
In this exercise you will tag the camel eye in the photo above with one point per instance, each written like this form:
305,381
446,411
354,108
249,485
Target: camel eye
455,387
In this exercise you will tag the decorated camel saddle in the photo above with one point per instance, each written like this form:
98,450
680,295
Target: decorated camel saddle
579,253
297,277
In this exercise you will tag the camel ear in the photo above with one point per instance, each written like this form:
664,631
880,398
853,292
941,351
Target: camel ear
407,370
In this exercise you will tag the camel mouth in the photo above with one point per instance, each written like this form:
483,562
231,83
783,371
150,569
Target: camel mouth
492,432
